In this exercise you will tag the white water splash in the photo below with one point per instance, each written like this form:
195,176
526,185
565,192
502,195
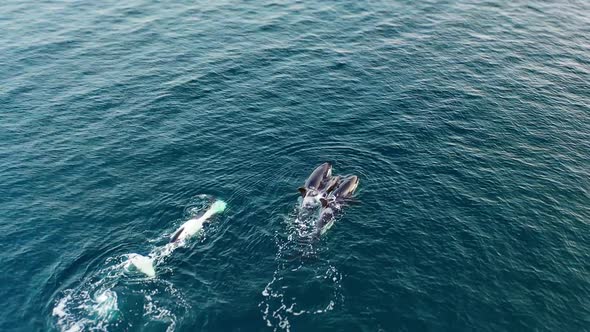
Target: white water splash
108,298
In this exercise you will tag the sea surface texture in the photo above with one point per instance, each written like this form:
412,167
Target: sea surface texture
467,122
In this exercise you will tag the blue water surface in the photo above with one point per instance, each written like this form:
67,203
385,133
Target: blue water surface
468,123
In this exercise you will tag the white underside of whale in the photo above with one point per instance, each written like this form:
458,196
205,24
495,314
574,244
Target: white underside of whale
192,226
143,264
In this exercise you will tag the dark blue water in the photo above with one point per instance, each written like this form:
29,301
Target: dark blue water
468,123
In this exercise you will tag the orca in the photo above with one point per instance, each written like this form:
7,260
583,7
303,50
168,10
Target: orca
195,224
145,264
333,204
319,184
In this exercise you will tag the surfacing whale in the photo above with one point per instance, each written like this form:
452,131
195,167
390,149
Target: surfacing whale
145,264
334,203
318,185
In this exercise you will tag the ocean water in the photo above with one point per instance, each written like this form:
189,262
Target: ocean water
468,123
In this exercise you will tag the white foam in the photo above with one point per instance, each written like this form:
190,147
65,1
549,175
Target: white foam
310,201
59,308
106,306
143,264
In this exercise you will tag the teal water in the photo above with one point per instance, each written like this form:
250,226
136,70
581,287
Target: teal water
468,123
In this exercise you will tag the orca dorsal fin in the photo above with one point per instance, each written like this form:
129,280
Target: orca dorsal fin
324,202
176,235
303,191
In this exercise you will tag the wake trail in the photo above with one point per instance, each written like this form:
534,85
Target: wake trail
126,291
303,284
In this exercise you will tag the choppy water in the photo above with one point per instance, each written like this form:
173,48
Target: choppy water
468,123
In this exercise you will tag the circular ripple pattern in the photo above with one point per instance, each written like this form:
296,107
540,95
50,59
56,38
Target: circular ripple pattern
467,122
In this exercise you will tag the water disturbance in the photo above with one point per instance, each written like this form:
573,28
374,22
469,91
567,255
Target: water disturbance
467,123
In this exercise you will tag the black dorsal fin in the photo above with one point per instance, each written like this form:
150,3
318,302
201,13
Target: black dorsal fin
303,191
176,235
324,202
